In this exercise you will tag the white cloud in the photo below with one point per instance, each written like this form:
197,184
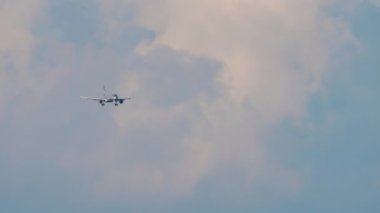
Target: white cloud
274,56
16,44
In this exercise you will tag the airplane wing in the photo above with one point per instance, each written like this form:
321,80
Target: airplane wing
94,99
121,100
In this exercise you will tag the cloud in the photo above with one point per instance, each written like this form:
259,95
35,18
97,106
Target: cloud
210,79
273,56
268,49
16,46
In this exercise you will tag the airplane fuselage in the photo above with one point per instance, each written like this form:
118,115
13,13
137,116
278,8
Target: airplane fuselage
113,99
108,99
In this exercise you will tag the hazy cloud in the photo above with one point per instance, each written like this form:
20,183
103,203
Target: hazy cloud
16,45
274,56
210,79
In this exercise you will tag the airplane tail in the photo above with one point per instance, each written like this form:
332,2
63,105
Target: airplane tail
105,91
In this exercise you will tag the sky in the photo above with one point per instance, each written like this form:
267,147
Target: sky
238,106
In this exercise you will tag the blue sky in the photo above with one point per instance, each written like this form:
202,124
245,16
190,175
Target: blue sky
239,106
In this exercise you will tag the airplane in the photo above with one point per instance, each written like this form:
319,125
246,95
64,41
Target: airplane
114,98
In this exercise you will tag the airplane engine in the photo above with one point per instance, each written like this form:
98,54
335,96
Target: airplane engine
121,101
